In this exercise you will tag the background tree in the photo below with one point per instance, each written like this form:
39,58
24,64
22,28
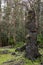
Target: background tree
0,19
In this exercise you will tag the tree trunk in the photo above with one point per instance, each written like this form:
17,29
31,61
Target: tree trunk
0,22
31,37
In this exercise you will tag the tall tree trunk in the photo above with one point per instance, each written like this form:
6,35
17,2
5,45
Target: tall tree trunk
31,37
0,22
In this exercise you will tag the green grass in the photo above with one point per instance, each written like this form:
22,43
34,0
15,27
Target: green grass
19,44
7,57
29,62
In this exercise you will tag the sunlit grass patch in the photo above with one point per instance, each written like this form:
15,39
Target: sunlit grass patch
5,57
41,51
18,57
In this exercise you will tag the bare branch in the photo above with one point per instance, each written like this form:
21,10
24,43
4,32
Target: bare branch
23,4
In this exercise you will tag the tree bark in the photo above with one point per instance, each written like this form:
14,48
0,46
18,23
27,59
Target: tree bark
31,37
0,22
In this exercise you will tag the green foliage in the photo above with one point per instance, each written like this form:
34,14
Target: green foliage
40,38
19,44
11,40
20,37
4,38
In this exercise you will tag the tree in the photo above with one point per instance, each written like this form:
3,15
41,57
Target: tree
31,26
0,21
32,46
13,20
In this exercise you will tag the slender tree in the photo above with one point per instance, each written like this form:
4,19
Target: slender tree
0,22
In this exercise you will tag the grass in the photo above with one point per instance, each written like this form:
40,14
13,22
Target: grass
7,57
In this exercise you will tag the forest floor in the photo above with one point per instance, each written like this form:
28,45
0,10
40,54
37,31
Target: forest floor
18,58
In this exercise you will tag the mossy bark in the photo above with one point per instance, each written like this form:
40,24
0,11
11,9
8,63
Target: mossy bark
31,36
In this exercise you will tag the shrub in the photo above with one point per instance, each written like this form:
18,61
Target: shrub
11,40
40,39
